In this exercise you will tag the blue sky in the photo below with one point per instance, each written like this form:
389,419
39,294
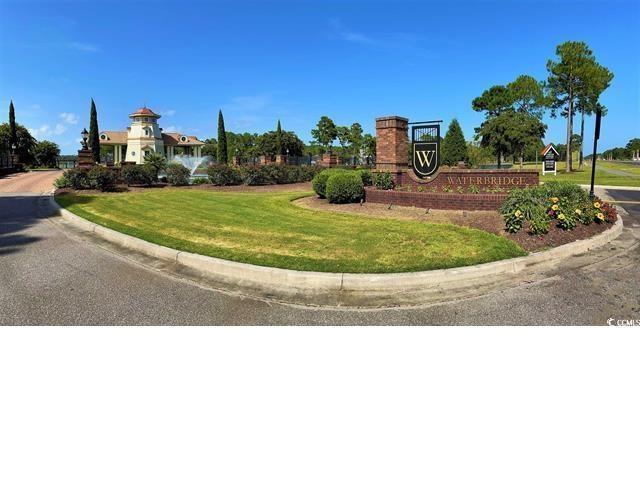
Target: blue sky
260,61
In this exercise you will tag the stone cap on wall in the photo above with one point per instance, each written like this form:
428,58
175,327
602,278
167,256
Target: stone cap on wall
392,117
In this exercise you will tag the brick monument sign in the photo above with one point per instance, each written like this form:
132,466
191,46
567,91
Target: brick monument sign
446,188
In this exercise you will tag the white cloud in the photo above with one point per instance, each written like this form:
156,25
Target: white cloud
83,47
168,113
46,130
172,129
70,118
41,131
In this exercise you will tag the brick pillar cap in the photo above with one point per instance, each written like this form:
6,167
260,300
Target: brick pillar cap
391,117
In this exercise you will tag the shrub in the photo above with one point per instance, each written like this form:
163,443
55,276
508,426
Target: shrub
344,188
199,181
76,178
539,225
365,174
62,182
383,181
474,189
224,175
177,174
138,174
319,182
102,178
256,175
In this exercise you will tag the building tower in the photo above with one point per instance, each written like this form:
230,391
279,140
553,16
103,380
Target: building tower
144,135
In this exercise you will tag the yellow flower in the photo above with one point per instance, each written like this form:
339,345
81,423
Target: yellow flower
561,216
578,211
554,207
554,199
518,213
600,216
596,204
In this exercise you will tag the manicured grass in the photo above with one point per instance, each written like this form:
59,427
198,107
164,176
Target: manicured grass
604,176
267,229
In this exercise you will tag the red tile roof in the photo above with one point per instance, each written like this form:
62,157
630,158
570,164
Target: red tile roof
145,111
114,138
172,138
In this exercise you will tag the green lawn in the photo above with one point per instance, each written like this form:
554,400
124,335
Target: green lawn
267,229
604,174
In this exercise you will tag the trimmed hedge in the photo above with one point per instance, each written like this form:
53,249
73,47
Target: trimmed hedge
260,174
143,174
75,178
102,178
223,175
319,182
383,181
346,187
177,174
365,174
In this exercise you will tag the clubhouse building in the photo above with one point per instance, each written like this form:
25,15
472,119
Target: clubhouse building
144,137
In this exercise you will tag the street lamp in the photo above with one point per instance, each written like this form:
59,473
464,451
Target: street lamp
85,136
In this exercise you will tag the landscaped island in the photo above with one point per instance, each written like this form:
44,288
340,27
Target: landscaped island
266,228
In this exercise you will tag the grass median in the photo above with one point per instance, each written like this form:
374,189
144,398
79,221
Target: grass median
267,229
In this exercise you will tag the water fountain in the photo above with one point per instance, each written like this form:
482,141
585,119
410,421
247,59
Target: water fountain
192,163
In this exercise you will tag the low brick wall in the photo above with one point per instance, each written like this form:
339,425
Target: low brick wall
506,179
439,201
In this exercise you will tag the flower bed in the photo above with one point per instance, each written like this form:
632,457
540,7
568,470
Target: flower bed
555,205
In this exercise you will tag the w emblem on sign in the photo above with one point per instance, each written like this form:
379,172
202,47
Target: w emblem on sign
425,158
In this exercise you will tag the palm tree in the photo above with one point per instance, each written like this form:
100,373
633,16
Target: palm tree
157,161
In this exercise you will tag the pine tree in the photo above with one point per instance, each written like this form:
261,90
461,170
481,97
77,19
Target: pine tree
13,136
222,140
454,146
94,134
278,139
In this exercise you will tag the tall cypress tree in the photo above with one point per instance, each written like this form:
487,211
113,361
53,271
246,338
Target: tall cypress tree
94,134
222,140
279,139
454,146
13,135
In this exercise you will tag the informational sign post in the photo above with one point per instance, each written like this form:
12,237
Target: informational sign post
549,160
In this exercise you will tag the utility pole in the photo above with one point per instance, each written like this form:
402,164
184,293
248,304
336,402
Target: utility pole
596,136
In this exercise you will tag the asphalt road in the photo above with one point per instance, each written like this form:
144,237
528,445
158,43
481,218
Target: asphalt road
627,199
49,277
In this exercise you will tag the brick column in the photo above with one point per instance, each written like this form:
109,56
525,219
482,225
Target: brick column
392,142
329,160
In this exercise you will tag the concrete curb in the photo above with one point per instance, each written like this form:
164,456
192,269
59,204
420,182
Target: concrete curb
345,289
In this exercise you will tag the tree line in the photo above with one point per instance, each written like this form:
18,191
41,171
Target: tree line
513,112
353,143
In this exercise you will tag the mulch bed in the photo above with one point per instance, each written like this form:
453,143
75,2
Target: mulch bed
289,187
556,236
489,221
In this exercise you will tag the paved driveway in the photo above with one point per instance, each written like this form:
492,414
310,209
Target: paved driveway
51,277
29,182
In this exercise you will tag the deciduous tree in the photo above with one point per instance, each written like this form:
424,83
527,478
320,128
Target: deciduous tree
46,153
25,143
325,132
